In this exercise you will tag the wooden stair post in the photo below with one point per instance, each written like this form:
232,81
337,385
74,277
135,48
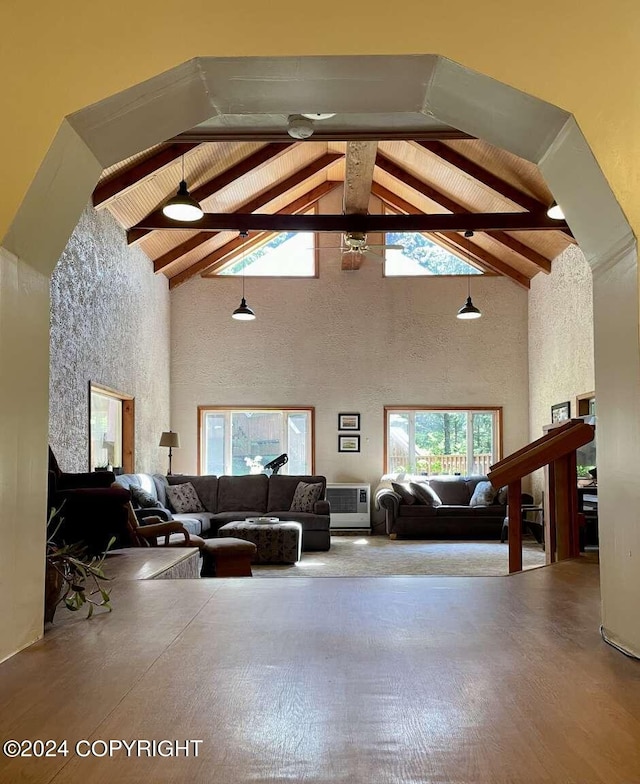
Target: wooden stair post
515,527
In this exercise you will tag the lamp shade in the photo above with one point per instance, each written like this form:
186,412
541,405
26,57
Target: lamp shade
182,206
468,311
555,211
169,438
243,312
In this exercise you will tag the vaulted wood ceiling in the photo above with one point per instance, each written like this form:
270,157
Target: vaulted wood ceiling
461,183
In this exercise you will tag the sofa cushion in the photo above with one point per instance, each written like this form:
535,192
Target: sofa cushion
454,510
243,493
305,497
142,498
206,487
493,510
451,489
403,489
283,487
425,494
144,481
417,510
195,522
183,498
483,495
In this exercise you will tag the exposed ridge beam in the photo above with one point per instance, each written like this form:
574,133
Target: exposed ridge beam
498,236
250,164
494,222
225,253
469,249
359,165
258,202
129,178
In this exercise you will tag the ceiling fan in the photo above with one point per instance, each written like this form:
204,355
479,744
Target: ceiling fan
354,246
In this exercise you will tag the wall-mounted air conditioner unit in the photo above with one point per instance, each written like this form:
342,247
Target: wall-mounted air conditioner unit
349,505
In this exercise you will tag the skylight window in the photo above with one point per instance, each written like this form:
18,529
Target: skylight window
421,256
285,255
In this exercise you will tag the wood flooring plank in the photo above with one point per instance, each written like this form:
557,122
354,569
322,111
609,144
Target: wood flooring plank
352,680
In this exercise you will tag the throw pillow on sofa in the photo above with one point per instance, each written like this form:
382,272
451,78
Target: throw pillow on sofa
424,494
404,491
502,496
305,497
483,495
184,499
143,499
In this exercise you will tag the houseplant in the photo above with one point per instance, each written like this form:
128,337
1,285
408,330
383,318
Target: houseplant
72,577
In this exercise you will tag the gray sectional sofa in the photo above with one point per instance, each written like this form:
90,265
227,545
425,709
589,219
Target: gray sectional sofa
454,518
229,498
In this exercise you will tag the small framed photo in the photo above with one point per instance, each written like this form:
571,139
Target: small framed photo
348,421
561,411
348,443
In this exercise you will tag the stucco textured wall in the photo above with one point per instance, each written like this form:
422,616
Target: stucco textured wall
348,341
109,325
560,340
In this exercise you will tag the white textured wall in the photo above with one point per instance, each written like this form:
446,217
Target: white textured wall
347,342
560,340
109,325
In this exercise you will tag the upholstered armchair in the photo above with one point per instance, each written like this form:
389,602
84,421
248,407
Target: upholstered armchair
91,510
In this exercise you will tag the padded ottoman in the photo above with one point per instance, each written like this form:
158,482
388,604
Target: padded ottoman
275,542
227,557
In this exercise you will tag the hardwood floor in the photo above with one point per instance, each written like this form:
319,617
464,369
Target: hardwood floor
363,681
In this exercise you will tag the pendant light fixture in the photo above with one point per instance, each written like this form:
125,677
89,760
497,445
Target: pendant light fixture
468,310
243,312
183,207
555,211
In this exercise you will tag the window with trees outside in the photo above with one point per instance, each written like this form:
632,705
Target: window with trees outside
421,256
238,441
288,254
442,440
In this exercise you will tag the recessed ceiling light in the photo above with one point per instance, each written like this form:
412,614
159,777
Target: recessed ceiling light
300,127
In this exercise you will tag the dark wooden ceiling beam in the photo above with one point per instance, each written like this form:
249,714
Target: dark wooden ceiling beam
129,178
486,177
541,218
249,165
257,203
462,245
227,252
477,221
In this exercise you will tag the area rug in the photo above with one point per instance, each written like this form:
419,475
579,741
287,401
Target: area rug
378,556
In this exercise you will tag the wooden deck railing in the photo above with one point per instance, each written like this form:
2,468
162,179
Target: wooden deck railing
445,464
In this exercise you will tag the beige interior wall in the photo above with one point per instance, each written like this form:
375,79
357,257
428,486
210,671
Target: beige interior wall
109,325
348,341
24,346
561,363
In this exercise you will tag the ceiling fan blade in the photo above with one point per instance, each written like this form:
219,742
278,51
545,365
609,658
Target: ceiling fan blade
388,247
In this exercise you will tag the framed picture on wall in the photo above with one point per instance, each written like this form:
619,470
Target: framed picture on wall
561,411
348,443
348,421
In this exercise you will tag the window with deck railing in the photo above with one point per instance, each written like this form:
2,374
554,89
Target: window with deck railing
237,441
442,440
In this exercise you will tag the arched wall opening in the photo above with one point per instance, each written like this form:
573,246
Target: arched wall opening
395,86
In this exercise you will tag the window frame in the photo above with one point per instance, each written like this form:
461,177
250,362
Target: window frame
204,409
498,427
262,239
458,253
127,424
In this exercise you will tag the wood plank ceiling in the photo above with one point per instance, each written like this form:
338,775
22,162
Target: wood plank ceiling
441,186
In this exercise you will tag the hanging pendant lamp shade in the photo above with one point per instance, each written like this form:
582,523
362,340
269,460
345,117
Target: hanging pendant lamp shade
243,312
182,206
468,311
555,211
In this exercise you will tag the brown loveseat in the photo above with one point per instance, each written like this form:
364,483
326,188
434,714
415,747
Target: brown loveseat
453,519
230,498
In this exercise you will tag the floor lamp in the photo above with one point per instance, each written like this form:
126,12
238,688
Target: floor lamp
170,439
